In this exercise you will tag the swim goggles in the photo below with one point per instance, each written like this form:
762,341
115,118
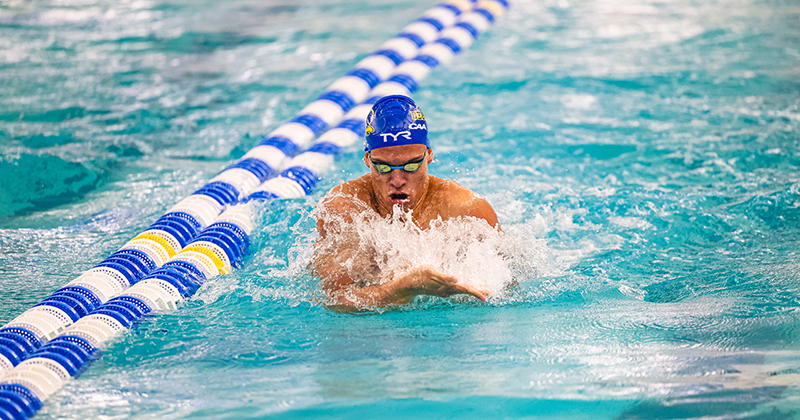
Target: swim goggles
383,168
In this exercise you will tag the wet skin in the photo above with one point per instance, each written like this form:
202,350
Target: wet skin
398,187
429,198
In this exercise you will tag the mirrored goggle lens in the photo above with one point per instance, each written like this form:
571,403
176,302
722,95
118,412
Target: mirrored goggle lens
412,167
408,167
383,169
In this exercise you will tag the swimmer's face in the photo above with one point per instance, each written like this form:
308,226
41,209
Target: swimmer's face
399,187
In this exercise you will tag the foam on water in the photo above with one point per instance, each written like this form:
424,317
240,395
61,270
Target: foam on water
464,247
652,146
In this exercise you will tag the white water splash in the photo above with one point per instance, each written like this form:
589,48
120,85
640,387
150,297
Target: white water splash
465,247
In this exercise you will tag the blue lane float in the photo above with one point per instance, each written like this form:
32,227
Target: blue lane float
196,240
299,175
181,224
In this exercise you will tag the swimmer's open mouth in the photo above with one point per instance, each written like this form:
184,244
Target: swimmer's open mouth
399,198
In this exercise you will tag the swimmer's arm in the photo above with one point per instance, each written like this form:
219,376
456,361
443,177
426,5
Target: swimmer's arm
336,214
346,294
476,206
401,289
463,202
334,267
485,211
337,208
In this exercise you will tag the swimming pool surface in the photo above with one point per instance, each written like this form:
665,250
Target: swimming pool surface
642,156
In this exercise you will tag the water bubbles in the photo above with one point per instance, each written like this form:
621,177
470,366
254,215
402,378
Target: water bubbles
369,250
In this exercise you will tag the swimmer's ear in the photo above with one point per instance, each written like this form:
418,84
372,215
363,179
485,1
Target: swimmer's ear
430,155
366,159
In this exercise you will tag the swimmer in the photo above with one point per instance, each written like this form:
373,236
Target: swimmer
398,186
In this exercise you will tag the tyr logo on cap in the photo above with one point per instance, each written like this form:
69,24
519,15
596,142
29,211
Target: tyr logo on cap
406,135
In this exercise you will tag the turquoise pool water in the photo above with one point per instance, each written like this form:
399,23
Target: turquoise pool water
643,157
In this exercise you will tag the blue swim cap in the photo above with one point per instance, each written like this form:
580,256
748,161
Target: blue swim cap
395,120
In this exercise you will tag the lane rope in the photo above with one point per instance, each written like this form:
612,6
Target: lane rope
208,233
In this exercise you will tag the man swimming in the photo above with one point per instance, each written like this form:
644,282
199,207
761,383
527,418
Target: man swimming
397,187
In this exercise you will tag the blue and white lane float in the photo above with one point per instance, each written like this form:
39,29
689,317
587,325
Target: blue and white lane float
150,249
171,232
211,252
77,319
341,96
301,173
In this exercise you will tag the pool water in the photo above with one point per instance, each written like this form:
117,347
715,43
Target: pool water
643,158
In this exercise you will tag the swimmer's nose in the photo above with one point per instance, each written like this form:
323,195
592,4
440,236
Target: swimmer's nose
397,178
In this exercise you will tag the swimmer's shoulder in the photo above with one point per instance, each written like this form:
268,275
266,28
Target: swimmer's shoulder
349,196
458,200
453,191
